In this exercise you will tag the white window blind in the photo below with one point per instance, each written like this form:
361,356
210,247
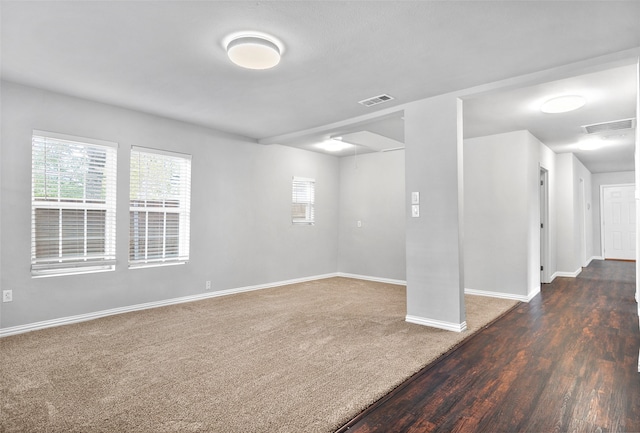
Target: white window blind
73,204
160,194
303,199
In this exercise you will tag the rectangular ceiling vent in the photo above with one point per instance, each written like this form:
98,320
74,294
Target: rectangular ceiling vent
376,100
609,126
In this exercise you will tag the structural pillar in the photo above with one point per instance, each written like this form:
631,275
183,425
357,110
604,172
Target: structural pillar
434,235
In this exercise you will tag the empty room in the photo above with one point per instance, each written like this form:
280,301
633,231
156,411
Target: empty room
319,216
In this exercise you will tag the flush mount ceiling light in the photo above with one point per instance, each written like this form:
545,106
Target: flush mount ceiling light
253,50
563,104
590,144
334,145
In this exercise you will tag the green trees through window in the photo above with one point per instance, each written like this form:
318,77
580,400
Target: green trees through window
73,204
160,184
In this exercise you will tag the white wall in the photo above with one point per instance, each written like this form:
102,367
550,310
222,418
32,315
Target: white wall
584,212
502,216
566,262
570,215
532,173
241,234
598,180
372,191
502,212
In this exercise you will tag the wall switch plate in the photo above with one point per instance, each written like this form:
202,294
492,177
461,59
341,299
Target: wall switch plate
415,197
7,295
207,285
415,210
359,223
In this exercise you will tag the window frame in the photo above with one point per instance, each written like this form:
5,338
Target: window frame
50,265
301,187
140,205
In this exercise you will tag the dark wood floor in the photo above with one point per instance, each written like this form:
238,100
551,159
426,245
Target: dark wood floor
565,362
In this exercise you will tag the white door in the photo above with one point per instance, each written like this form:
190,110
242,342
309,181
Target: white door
619,222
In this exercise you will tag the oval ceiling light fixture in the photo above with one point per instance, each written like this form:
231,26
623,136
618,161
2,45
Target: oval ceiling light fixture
563,104
253,50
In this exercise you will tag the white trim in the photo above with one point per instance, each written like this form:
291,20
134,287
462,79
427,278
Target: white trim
58,271
303,179
447,326
566,274
169,153
533,294
4,332
73,138
376,279
544,195
500,295
156,263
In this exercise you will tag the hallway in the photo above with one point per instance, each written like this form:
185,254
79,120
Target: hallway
565,362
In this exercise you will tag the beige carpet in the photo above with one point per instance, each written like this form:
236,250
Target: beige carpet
300,358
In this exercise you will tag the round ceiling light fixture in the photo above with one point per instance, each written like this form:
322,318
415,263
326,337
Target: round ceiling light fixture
590,144
563,104
254,51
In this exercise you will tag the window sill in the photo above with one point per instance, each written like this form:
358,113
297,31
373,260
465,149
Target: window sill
60,272
156,264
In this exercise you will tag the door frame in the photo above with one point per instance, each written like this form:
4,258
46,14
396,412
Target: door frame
602,187
582,207
544,225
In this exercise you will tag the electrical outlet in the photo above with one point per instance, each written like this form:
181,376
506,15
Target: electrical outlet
207,285
415,210
7,295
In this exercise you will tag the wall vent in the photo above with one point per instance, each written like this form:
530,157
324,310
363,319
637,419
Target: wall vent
375,100
609,126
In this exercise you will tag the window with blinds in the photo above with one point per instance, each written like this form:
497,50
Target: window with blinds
303,199
73,204
159,206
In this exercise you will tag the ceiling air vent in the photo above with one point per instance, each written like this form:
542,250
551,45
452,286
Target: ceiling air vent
610,126
375,100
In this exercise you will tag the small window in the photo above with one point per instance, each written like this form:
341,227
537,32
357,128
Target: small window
302,204
159,207
73,204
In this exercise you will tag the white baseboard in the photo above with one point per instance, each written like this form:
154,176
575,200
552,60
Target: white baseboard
376,279
4,332
566,274
447,326
521,298
533,294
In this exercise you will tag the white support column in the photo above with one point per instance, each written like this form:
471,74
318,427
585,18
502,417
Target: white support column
435,269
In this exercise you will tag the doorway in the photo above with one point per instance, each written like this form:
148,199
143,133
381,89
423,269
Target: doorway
544,225
582,221
618,222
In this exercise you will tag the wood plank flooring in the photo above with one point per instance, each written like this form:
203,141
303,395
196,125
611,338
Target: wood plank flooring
565,362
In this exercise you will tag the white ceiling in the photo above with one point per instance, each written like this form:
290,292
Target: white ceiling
610,94
167,57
